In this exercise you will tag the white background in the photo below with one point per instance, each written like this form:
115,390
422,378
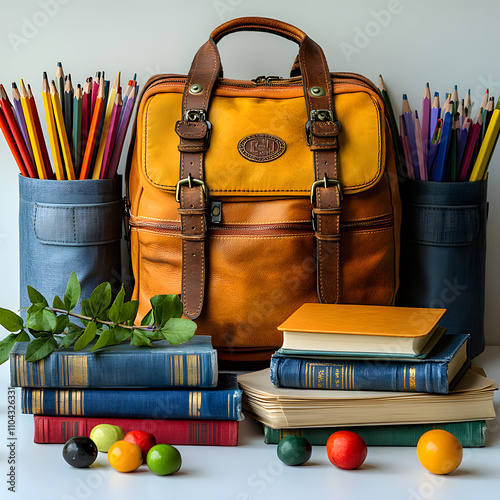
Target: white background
409,42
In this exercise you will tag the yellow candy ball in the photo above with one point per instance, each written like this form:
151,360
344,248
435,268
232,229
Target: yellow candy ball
439,451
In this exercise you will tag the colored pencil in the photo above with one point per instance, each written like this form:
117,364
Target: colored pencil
77,129
60,84
33,137
444,145
467,104
454,99
122,132
454,165
426,118
105,128
68,112
484,102
111,136
91,139
474,132
63,139
94,174
18,111
410,133
41,139
421,153
95,89
8,111
462,141
52,129
435,113
4,126
86,116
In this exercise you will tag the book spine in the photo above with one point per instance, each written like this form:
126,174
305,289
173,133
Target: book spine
134,403
177,432
471,434
128,369
370,375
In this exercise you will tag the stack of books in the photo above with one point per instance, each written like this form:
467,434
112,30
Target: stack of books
173,391
391,372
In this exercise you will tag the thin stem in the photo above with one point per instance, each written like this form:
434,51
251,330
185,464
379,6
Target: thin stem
87,318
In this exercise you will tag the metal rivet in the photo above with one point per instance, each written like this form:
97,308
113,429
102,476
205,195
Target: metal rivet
216,211
196,88
322,116
317,91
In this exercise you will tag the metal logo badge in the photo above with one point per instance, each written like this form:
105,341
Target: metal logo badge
261,147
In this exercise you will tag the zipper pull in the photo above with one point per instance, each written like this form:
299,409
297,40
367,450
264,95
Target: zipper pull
215,212
266,79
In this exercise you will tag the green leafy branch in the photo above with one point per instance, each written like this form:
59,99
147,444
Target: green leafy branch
106,321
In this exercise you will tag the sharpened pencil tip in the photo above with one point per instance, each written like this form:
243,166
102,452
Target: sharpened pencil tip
135,76
14,86
405,97
59,64
436,94
45,75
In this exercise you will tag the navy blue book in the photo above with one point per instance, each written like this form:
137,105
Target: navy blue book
437,373
218,403
192,364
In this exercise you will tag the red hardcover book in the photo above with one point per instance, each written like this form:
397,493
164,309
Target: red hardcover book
57,429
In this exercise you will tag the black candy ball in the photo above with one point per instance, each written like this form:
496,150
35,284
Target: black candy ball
79,451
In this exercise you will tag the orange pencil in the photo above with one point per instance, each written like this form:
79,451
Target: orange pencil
39,133
94,127
12,145
6,107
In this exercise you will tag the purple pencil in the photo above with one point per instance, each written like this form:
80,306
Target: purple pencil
462,140
18,110
406,147
410,134
435,112
426,117
113,129
474,131
120,137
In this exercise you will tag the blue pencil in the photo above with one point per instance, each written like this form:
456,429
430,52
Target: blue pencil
444,146
410,131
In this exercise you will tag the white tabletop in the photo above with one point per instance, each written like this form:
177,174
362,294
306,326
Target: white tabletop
249,471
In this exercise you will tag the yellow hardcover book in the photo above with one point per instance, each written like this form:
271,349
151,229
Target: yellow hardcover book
353,328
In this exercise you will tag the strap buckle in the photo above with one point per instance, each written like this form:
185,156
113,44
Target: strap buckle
190,181
325,182
199,115
319,115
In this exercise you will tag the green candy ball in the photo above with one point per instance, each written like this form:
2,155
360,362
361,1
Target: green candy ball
294,450
104,435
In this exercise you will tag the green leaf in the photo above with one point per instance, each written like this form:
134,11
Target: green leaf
57,303
129,311
153,334
115,311
178,330
72,333
62,323
73,292
85,310
149,319
166,307
33,308
36,297
106,338
10,320
122,334
43,321
40,348
8,342
22,337
138,338
100,299
87,337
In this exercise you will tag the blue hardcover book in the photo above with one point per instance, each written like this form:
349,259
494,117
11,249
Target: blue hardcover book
442,368
192,364
218,403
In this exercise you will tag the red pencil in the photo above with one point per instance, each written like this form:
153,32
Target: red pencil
6,107
39,133
86,116
12,144
113,129
95,89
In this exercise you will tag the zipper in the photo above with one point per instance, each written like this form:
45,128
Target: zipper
277,229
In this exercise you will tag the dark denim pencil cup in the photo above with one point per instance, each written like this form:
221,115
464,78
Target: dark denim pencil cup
443,253
67,226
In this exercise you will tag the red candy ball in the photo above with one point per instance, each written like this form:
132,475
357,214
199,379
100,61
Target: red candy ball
346,449
145,440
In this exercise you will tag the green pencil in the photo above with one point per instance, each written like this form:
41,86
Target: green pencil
77,129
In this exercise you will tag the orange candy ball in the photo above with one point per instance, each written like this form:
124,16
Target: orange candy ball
124,456
439,451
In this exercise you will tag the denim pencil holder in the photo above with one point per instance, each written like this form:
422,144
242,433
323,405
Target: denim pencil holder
67,226
443,253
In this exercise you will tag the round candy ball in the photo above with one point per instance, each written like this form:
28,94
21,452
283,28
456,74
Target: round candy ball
79,451
164,459
145,440
346,449
124,456
294,450
439,451
104,435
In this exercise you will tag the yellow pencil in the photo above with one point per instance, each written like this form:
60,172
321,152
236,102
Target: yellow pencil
30,125
52,128
487,146
63,138
96,173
